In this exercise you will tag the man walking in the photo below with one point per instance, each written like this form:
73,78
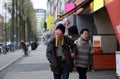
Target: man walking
60,52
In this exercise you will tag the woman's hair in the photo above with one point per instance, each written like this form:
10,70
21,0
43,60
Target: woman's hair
81,32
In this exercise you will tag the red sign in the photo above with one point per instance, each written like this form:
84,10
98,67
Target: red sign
113,8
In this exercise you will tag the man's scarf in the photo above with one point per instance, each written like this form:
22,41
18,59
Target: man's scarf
57,40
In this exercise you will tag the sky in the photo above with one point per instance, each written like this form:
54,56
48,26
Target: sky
40,4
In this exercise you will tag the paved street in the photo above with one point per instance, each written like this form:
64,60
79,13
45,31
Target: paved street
36,66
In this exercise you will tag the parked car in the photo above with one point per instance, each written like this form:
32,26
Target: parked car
3,48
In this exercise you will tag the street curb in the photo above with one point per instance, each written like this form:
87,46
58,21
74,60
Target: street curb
10,63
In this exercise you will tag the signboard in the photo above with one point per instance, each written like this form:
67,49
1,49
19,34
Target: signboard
98,4
50,22
118,63
69,6
96,41
113,8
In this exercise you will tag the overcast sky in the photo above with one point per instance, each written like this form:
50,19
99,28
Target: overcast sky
38,4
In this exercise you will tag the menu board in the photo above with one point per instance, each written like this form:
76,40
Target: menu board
96,41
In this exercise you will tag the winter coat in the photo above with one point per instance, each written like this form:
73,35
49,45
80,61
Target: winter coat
67,48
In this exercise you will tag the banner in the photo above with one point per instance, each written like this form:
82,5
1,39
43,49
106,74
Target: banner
113,8
50,22
98,4
69,6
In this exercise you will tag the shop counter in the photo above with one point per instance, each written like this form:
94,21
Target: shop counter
103,61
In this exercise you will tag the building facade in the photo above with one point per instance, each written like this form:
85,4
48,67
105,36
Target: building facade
40,19
56,7
96,17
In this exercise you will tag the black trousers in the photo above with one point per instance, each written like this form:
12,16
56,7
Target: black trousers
82,72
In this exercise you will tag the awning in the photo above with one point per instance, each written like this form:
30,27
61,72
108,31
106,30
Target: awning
83,5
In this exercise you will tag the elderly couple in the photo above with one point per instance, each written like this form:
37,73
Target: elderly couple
64,54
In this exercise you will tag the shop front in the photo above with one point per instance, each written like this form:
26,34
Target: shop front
102,35
104,41
102,32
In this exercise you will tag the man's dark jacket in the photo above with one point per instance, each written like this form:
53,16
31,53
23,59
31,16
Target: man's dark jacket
68,48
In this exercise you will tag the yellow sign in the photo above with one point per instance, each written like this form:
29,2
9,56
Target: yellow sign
98,4
50,22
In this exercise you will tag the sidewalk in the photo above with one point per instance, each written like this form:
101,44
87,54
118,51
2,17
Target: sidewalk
103,74
97,74
9,58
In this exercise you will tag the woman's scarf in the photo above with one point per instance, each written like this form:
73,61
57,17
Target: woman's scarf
81,41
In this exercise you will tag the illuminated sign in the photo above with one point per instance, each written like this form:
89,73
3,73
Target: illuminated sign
98,4
69,6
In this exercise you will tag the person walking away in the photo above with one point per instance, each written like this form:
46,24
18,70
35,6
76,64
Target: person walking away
24,47
82,58
60,52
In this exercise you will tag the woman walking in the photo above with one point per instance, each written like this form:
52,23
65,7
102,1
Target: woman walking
82,58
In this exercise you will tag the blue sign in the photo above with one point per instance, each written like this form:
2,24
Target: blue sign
14,36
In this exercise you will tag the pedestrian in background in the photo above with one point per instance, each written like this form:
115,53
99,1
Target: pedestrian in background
60,52
82,58
24,47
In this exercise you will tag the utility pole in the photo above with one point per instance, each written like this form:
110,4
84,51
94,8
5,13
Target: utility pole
13,36
12,23
5,28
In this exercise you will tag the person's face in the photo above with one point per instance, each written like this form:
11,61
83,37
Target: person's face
85,35
58,32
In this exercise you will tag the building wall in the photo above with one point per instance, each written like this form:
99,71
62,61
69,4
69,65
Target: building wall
105,30
55,7
84,21
40,16
102,22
